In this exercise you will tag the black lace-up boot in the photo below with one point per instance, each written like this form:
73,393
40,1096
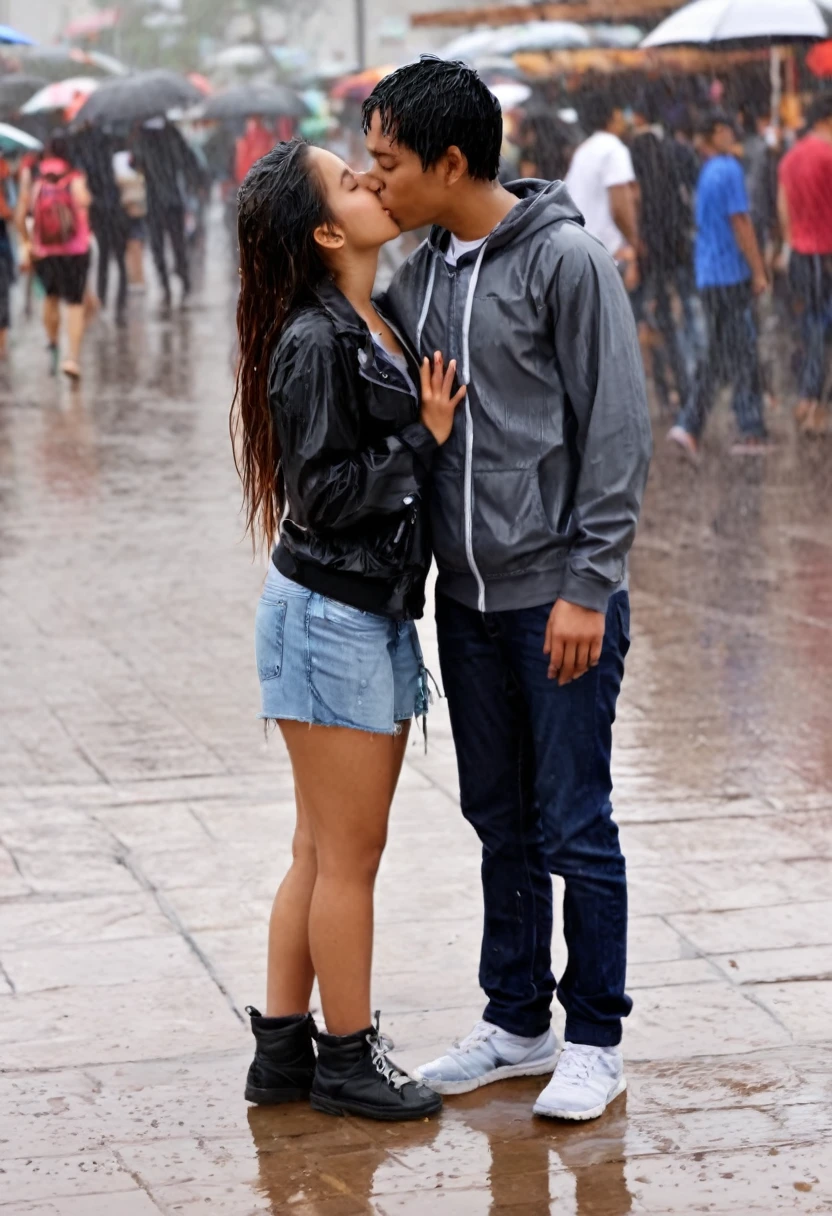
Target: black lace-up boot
284,1061
355,1077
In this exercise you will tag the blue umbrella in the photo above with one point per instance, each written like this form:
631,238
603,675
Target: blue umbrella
14,37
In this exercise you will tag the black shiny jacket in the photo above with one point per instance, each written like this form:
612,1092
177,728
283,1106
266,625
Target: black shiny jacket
355,461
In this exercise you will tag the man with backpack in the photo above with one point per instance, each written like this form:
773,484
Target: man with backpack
53,221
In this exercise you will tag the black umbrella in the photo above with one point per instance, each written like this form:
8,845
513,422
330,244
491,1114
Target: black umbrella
269,100
15,91
136,99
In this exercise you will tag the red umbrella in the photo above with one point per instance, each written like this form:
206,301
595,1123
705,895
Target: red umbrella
819,59
360,86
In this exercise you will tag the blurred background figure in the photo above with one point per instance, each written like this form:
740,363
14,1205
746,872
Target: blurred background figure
805,207
53,222
93,150
170,168
601,180
132,189
7,257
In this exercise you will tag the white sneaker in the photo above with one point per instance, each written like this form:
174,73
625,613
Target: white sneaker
489,1054
586,1080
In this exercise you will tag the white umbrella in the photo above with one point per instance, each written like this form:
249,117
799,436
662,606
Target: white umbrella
471,46
511,94
718,22
709,22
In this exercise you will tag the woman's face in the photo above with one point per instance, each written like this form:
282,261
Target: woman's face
359,216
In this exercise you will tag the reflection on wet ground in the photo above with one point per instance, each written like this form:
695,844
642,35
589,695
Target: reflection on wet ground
144,824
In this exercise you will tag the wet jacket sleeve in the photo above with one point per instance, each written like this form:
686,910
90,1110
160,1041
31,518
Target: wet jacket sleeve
332,482
597,349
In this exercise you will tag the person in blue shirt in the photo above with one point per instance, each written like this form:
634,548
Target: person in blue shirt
729,274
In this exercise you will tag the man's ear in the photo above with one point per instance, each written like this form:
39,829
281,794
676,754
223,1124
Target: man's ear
455,166
329,237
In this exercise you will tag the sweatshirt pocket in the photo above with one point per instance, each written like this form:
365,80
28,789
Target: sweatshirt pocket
510,526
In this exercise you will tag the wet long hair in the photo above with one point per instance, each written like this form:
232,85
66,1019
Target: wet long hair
281,203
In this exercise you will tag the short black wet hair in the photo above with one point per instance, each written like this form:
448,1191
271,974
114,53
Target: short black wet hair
596,110
434,104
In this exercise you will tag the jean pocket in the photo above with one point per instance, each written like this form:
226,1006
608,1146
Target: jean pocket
270,625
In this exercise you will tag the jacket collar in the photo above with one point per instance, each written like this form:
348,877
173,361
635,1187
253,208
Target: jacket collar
339,309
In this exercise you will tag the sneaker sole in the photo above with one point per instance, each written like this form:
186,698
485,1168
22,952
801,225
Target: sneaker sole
328,1106
581,1116
274,1097
450,1088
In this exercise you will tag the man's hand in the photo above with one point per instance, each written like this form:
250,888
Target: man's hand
574,637
759,284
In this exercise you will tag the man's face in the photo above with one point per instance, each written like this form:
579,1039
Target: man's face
723,138
415,197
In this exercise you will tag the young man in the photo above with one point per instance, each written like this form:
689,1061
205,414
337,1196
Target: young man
602,181
535,500
805,206
729,273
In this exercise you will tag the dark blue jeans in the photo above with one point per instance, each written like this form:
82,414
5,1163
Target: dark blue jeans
731,356
534,769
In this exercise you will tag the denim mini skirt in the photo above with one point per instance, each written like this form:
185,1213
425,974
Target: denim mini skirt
323,662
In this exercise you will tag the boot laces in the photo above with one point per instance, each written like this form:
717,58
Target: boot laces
380,1044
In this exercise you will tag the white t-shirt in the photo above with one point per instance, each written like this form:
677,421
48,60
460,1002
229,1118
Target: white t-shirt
457,248
599,163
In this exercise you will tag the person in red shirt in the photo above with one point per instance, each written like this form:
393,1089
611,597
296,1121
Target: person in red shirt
252,145
805,207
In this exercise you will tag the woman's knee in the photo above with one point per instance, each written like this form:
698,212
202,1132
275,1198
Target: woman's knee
358,863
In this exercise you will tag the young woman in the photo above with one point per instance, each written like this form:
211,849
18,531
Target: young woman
330,436
57,245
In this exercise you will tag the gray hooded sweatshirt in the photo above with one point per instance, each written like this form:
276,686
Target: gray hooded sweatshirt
537,493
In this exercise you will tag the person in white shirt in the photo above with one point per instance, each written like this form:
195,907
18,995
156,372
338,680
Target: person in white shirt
602,182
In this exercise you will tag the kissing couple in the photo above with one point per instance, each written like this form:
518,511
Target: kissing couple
489,412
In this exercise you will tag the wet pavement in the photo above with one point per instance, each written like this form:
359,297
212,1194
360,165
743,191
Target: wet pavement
145,821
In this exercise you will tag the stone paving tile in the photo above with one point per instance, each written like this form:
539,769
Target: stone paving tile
140,803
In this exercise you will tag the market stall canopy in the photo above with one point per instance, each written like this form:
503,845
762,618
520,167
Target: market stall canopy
599,61
14,37
12,141
16,90
511,14
712,22
60,95
137,99
269,100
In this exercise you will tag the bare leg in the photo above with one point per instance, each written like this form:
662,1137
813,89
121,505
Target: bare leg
290,971
75,323
52,319
135,262
346,780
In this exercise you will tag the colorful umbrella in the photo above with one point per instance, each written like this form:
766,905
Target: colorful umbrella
13,140
14,37
61,95
360,86
819,59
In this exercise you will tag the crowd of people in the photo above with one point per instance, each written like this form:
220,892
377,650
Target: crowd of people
92,190
703,220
